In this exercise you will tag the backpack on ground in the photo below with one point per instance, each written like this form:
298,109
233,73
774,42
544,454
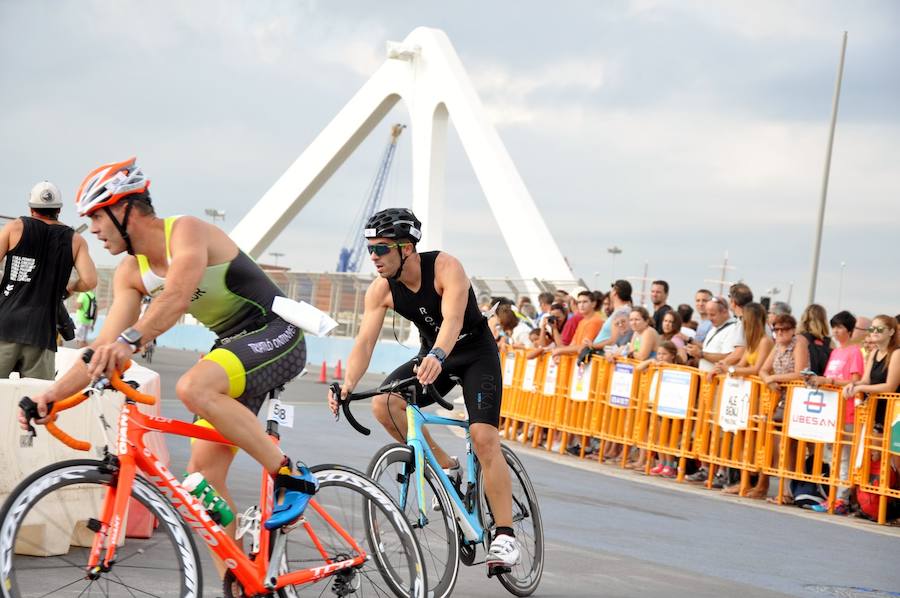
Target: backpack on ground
809,494
867,502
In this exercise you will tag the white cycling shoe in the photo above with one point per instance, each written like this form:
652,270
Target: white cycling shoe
504,552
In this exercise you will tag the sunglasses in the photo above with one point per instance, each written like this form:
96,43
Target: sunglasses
878,329
382,249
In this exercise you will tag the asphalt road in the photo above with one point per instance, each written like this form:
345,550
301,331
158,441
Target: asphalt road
611,532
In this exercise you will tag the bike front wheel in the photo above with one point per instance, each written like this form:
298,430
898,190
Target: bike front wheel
350,513
46,537
392,467
524,578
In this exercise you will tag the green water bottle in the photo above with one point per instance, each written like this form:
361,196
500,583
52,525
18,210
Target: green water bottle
217,507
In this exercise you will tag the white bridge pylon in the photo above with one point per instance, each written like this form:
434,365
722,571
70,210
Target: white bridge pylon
426,73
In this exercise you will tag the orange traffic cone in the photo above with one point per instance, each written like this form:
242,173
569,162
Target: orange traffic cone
337,370
323,375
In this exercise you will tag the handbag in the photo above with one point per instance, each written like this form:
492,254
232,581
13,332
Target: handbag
778,414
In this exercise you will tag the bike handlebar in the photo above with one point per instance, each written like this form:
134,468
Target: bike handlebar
29,407
387,388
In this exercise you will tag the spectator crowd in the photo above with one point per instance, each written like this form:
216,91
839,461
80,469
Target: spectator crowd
732,335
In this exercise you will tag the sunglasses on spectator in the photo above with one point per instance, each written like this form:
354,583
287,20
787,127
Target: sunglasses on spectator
782,329
878,329
382,249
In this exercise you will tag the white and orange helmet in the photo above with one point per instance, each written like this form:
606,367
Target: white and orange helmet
109,183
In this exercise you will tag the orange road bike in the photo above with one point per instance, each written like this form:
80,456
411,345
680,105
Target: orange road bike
350,540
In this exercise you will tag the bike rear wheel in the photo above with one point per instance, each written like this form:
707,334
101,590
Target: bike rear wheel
45,541
524,578
365,512
391,467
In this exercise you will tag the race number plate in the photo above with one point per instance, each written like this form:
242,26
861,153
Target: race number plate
281,413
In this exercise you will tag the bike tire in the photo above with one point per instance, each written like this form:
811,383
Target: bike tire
439,539
44,505
369,516
525,577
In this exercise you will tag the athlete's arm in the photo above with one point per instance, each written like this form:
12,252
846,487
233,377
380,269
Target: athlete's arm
9,236
377,301
453,285
84,266
189,246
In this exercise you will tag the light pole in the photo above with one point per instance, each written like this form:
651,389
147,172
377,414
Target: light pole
841,285
276,255
215,214
614,251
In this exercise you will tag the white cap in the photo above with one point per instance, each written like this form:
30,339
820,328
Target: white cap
45,195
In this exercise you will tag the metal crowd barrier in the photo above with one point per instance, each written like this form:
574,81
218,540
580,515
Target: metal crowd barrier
683,414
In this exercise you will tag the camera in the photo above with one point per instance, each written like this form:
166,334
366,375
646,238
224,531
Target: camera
551,319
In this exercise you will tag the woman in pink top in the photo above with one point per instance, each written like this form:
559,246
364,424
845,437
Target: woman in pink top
845,365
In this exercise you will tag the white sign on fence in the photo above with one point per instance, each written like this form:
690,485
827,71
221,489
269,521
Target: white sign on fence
620,385
509,369
674,394
813,415
734,406
550,378
581,382
528,376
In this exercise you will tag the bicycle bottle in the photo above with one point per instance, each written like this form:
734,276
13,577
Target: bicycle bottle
218,508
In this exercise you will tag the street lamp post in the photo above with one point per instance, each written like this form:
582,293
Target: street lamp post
614,251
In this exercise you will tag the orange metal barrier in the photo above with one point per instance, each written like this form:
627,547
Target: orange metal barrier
681,413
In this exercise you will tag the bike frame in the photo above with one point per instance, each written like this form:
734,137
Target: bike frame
469,522
133,454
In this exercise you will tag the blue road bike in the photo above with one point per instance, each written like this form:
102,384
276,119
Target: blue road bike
451,518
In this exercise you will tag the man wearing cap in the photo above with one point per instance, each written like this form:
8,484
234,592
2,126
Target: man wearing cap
40,252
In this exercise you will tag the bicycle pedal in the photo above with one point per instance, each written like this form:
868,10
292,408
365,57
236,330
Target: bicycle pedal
494,570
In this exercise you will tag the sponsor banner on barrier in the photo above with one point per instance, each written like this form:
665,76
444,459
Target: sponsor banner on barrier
814,415
509,369
895,434
674,394
620,385
581,382
528,378
550,378
734,406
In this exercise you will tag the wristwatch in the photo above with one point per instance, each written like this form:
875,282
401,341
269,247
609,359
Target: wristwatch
731,370
438,353
131,337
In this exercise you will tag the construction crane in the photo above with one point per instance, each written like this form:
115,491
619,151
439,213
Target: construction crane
354,247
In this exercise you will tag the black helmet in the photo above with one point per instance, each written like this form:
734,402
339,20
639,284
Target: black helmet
394,223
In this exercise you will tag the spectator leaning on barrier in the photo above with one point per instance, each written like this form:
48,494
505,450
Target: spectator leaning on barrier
645,338
701,298
758,344
588,326
85,317
861,333
671,332
722,342
686,313
785,363
882,367
40,252
814,328
845,365
659,294
575,315
612,329
545,301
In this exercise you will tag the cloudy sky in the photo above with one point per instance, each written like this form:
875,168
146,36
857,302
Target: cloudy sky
676,130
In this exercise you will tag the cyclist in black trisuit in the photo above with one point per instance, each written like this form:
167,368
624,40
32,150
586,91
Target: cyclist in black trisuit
432,290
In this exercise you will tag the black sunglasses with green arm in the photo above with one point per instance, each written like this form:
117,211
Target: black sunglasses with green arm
382,249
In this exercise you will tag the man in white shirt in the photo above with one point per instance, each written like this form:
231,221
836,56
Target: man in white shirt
723,341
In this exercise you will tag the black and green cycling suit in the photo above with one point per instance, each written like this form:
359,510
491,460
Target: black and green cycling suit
258,350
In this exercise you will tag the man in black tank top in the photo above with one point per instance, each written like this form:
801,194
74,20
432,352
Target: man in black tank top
432,290
40,252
